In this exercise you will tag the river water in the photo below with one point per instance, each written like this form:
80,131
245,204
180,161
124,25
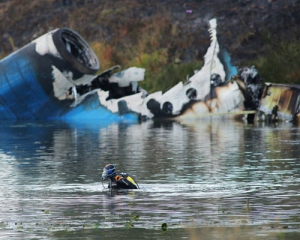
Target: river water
198,180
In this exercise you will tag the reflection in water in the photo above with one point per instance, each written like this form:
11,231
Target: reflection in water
214,174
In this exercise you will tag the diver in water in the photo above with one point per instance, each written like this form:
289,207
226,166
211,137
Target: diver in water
121,180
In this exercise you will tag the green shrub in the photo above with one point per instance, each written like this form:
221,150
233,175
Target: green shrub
168,75
281,62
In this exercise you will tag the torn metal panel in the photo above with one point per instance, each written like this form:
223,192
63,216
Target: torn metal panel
198,87
128,77
279,102
217,89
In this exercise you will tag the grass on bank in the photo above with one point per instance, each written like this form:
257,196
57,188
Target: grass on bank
282,61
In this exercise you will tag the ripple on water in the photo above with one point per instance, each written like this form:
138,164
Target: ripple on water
200,177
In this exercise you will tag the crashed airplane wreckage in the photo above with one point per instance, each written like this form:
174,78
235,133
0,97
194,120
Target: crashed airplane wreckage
53,77
279,102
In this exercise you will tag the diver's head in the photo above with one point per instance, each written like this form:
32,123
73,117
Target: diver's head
108,171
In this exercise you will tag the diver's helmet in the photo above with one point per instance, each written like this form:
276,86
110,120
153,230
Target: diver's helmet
108,171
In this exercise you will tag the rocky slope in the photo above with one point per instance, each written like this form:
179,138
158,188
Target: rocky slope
243,24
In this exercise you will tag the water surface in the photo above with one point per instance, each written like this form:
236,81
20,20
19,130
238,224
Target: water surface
205,180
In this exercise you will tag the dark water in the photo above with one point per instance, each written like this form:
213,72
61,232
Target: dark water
205,180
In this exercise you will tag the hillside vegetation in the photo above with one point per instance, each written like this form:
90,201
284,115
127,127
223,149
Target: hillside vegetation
169,38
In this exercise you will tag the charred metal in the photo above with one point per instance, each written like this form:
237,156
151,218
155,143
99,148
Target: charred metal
279,102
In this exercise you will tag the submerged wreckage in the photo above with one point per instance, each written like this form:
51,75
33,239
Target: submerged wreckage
53,77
